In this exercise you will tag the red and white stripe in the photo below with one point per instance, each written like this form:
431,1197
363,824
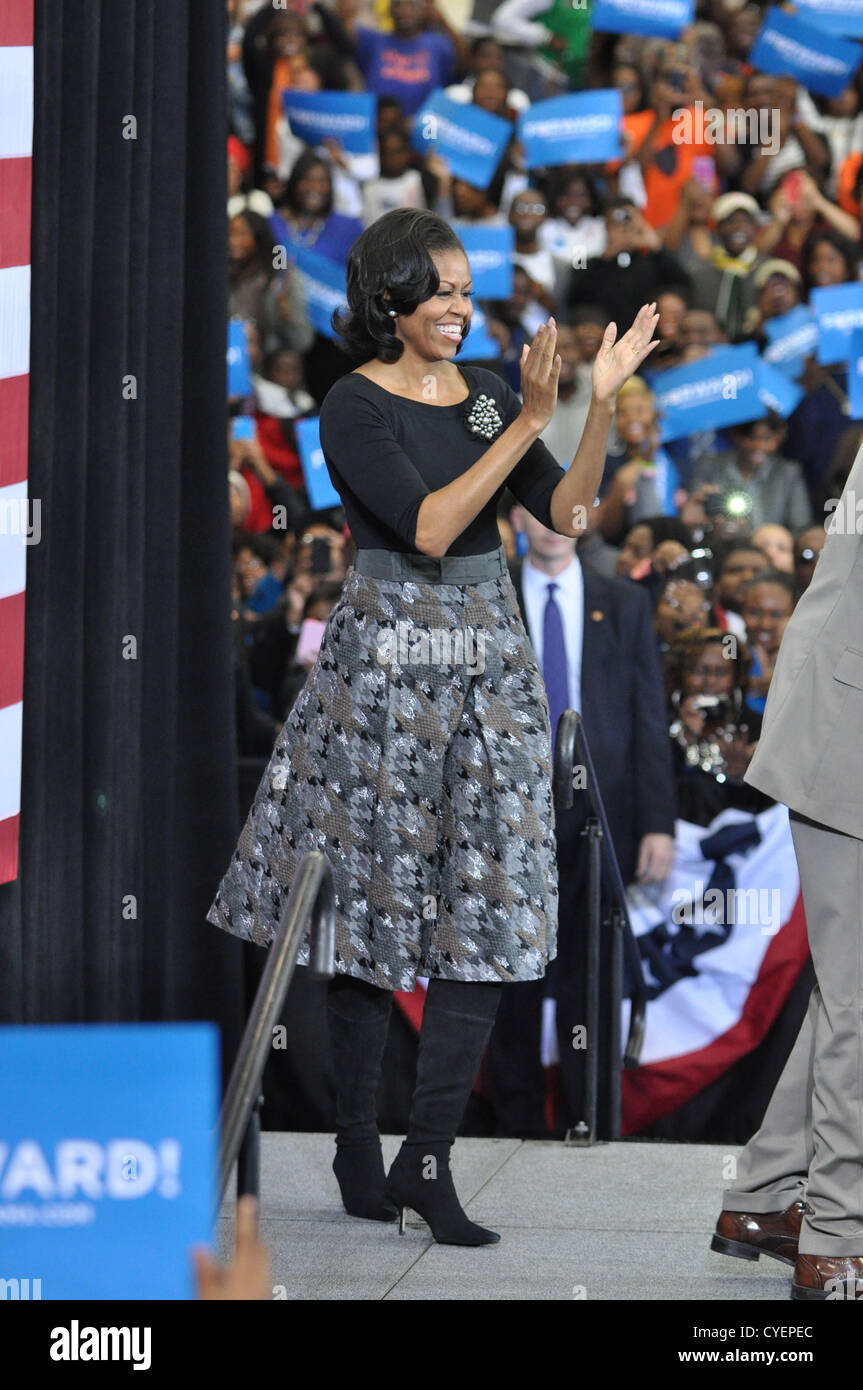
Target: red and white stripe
707,1021
16,142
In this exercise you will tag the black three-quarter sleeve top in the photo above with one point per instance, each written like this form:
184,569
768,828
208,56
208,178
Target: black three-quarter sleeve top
385,453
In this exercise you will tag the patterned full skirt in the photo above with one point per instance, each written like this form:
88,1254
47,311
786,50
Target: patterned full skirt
417,758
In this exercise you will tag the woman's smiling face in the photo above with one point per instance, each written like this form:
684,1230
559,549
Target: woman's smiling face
314,189
437,326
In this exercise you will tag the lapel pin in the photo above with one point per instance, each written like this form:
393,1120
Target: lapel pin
597,615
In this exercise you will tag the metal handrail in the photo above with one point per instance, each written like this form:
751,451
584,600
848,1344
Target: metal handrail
310,905
571,745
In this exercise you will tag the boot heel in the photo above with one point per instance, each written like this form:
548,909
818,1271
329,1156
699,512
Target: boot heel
722,1246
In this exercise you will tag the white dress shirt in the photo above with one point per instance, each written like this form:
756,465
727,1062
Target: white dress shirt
569,597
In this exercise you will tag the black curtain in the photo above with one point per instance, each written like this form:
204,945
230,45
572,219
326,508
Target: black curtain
128,813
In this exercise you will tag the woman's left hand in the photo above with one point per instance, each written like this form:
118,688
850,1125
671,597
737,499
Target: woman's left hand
616,361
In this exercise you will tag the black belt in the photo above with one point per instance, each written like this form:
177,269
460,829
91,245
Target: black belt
430,569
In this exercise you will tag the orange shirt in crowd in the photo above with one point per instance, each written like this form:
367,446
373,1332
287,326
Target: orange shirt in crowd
670,166
845,188
287,72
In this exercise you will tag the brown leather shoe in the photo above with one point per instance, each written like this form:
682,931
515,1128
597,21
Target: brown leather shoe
828,1276
748,1234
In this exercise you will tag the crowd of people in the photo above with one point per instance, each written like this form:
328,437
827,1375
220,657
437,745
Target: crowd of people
721,528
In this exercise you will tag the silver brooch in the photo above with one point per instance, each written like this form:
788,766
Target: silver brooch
483,419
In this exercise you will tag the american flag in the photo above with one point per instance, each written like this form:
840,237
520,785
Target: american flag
16,135
719,977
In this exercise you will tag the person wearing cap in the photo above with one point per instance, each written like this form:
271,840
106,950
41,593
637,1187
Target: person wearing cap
724,284
779,289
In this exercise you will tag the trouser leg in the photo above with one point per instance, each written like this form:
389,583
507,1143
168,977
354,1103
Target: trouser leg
816,1115
515,1072
773,1169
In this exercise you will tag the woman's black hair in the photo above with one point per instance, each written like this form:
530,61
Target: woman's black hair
477,43
328,590
307,160
565,175
264,243
778,578
847,250
265,547
685,650
642,92
666,528
392,256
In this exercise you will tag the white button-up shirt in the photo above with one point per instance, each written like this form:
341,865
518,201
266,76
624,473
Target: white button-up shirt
569,596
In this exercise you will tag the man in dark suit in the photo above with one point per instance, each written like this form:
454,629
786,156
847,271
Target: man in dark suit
594,641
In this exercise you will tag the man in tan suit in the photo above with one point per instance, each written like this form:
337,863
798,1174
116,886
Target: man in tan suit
799,1190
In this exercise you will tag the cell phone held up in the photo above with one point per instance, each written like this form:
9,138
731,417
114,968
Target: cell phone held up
321,557
791,187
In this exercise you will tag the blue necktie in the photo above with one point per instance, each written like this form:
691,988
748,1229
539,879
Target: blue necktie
554,660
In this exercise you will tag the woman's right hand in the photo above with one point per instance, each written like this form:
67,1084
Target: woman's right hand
540,369
691,717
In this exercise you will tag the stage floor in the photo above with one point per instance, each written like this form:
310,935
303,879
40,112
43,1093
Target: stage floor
619,1221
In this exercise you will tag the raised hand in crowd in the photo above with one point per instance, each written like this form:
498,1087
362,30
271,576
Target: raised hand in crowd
249,451
738,753
629,231
296,593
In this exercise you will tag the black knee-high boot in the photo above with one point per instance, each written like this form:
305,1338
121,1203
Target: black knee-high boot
359,1016
457,1021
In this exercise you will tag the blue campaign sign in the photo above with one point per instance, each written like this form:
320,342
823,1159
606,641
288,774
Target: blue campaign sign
717,391
349,116
855,375
661,19
479,344
107,1158
788,46
471,140
244,427
239,368
489,253
319,486
843,17
579,128
791,338
777,391
324,286
838,311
